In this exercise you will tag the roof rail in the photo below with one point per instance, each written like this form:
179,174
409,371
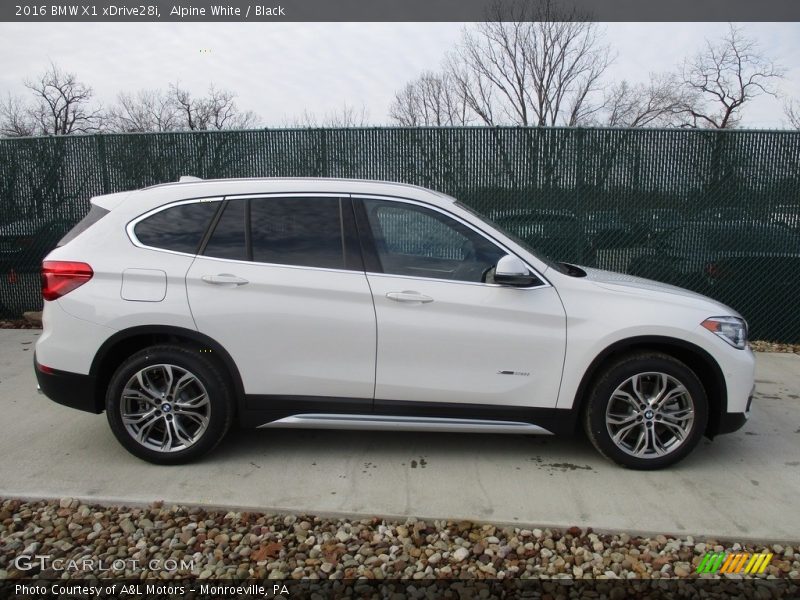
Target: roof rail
189,179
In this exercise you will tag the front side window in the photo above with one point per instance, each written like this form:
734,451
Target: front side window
416,241
178,228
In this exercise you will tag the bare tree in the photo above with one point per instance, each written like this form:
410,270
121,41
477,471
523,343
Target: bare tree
531,64
217,110
63,104
15,118
143,111
658,103
792,111
723,77
433,99
347,115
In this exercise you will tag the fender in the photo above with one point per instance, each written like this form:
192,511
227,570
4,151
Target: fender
158,333
706,367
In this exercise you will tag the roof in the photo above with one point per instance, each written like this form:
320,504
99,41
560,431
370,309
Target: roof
154,196
336,184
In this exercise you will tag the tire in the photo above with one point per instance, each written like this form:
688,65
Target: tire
638,431
186,419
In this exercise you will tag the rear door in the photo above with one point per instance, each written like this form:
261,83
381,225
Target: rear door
280,284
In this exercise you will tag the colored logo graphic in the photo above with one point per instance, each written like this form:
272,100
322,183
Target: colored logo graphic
738,562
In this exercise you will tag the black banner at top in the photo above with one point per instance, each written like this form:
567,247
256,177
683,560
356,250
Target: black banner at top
396,10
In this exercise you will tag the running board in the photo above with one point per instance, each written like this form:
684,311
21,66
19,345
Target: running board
391,423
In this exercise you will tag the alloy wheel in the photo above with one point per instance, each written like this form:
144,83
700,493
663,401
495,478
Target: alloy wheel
165,408
650,415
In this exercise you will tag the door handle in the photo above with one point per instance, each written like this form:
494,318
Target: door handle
225,279
409,297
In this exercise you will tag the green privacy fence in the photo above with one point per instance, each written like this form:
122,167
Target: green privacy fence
717,212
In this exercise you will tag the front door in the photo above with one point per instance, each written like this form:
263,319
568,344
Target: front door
445,334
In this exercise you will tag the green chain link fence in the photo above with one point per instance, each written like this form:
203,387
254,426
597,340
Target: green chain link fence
714,211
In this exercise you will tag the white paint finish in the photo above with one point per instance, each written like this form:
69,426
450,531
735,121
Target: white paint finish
301,331
65,338
720,490
605,308
290,330
144,285
108,250
451,348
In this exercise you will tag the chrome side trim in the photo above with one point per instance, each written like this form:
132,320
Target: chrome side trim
391,423
256,196
129,228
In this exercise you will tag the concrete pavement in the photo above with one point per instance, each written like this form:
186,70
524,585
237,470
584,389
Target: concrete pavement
743,486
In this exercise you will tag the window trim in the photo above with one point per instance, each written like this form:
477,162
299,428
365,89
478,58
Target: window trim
372,260
352,254
369,261
129,228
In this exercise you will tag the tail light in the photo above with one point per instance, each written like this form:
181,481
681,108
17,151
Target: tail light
61,277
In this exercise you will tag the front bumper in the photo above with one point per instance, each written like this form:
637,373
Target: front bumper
70,389
730,422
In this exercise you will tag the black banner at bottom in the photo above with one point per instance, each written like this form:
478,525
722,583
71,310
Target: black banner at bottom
553,589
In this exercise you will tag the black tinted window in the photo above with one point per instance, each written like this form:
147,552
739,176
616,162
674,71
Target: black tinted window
297,231
228,239
415,241
179,228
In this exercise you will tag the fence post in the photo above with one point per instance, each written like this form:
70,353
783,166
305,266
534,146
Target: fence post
324,167
101,157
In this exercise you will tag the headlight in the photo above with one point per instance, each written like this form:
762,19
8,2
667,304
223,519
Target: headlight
731,329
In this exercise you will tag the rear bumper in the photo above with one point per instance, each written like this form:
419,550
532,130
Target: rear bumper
70,389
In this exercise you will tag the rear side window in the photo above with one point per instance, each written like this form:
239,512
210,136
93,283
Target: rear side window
95,214
297,231
228,239
179,228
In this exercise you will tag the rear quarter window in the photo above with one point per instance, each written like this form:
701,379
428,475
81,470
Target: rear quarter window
179,228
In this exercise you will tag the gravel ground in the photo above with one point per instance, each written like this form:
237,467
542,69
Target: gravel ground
18,324
761,346
126,542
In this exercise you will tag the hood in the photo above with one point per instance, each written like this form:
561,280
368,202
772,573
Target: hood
623,283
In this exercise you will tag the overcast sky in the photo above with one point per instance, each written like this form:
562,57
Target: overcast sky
278,70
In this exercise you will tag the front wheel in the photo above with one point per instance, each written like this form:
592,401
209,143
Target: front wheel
647,411
168,405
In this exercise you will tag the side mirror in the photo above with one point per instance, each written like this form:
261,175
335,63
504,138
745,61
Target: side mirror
512,271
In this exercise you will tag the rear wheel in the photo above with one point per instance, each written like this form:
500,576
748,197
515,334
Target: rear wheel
647,411
169,405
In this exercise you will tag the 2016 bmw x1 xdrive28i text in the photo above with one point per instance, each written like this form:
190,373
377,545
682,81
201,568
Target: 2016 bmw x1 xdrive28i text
182,308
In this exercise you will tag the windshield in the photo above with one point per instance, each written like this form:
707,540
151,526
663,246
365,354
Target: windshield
560,267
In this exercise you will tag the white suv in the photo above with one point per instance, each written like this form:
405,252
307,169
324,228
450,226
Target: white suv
182,308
